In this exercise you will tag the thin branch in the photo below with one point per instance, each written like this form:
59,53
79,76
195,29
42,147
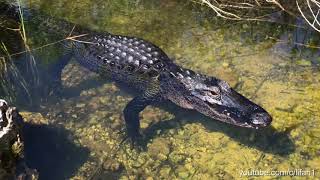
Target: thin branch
303,15
316,3
220,12
314,16
276,3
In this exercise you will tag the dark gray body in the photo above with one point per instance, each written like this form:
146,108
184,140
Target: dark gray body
126,59
133,61
145,67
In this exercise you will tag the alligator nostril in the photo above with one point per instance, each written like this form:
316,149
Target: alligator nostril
261,118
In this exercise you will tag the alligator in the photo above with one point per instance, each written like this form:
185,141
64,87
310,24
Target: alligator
146,68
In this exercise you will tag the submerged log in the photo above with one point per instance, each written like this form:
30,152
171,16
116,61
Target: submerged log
12,165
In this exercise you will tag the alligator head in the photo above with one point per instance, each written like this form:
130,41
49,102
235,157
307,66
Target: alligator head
215,98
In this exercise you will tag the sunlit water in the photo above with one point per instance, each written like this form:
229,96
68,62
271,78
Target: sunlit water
79,134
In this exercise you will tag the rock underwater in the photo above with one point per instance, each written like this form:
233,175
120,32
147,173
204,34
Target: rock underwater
12,164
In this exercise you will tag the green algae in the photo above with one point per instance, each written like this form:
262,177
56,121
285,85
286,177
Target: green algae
180,147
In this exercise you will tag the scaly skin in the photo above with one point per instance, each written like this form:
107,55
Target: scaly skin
146,68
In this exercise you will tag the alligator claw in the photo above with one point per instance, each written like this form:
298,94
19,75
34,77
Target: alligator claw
134,136
135,140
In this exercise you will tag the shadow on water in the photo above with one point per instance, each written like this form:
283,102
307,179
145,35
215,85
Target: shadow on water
267,139
51,151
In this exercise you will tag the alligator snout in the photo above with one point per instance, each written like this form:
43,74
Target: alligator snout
260,119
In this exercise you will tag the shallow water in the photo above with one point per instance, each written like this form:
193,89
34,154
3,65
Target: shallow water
78,135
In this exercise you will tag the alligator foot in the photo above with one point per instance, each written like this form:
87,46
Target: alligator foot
136,142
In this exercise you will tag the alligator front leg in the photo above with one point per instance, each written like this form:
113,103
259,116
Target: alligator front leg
131,114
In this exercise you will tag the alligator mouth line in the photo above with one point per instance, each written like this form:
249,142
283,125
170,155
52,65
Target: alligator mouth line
238,118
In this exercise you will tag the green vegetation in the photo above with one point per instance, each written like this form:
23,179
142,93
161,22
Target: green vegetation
10,76
13,37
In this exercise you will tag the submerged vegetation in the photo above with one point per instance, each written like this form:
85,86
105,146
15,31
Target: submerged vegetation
13,40
276,64
11,78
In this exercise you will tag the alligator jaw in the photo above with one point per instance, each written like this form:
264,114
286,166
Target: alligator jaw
236,109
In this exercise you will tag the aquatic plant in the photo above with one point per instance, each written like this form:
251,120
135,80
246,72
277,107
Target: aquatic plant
10,78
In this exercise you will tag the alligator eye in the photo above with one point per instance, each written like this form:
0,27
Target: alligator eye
213,93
